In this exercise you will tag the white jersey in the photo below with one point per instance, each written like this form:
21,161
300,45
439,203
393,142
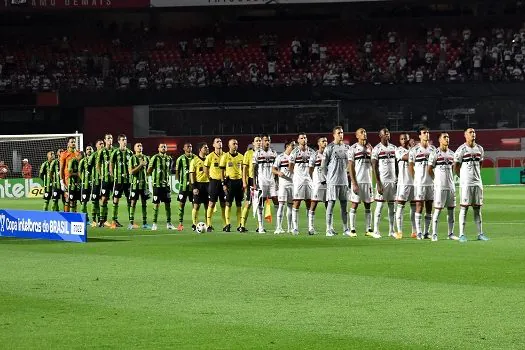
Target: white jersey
403,178
386,158
264,161
301,158
470,159
319,174
418,155
281,163
361,155
336,164
443,164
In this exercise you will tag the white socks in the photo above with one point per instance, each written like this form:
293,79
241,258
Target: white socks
428,219
344,215
352,219
399,217
477,219
311,214
450,219
377,216
289,217
391,215
295,222
435,221
462,219
280,215
330,215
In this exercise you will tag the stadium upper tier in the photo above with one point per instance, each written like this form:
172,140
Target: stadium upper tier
283,54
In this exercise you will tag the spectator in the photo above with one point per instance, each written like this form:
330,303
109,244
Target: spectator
4,170
27,169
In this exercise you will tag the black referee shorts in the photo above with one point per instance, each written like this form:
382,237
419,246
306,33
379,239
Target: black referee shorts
202,197
216,192
234,191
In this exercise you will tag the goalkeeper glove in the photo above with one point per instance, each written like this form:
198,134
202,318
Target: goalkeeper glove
63,186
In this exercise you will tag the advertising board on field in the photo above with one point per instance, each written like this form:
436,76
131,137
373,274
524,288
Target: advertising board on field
46,225
74,4
187,3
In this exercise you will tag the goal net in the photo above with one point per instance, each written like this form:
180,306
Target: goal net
14,149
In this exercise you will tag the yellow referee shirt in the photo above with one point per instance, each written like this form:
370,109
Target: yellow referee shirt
197,167
248,161
232,164
212,163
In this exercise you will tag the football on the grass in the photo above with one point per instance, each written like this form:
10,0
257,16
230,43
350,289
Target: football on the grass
201,227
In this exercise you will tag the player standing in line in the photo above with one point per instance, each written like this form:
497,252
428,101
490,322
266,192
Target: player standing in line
440,169
118,169
423,186
215,190
199,183
159,167
405,186
106,186
73,181
137,168
285,187
263,160
360,166
336,164
231,179
247,180
318,175
85,181
182,173
54,173
45,175
95,183
65,157
385,169
302,181
468,160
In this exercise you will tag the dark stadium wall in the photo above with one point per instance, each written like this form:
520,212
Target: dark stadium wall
101,120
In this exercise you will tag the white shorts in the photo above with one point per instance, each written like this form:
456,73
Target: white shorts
405,193
302,191
285,194
336,192
389,192
471,195
444,198
364,195
268,189
423,193
319,193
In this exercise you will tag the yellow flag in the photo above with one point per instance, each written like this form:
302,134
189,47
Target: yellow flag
268,211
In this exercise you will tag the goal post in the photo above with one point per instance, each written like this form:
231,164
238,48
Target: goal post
16,148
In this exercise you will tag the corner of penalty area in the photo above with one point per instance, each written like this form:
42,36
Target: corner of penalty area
44,225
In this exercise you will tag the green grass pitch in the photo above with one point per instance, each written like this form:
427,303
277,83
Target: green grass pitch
216,290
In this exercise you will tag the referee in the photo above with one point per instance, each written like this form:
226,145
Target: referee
216,190
231,166
199,182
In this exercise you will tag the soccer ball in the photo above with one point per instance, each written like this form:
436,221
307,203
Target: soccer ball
201,227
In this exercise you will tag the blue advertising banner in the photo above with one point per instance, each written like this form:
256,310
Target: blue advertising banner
48,225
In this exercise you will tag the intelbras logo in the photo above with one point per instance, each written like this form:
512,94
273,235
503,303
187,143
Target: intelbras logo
2,222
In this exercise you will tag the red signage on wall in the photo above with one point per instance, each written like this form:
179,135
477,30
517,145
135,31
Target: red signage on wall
74,4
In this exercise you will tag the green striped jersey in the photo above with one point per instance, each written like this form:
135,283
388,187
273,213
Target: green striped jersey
74,181
182,166
45,174
85,175
54,173
138,180
119,160
160,163
92,167
103,159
